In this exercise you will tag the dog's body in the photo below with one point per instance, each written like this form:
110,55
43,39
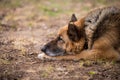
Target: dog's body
96,36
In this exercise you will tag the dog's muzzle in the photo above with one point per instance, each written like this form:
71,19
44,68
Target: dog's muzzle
52,51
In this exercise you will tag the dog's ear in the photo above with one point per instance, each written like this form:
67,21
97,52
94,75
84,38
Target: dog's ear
73,32
73,18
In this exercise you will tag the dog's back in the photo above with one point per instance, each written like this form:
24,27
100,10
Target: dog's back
103,22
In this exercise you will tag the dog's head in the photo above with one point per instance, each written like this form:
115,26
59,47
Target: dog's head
70,39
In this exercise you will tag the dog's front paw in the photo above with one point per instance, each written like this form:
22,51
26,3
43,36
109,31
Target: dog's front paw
42,56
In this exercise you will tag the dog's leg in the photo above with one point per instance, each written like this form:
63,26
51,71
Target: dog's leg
86,54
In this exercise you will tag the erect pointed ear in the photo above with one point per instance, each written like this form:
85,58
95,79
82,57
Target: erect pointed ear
73,18
73,32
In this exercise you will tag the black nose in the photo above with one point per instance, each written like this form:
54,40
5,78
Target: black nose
43,49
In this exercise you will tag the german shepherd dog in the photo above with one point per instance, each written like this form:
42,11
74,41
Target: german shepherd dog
95,36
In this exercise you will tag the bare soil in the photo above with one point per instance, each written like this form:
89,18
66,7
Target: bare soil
23,30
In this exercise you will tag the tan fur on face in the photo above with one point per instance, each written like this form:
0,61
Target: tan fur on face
69,46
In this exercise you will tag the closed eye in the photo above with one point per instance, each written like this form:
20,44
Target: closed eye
60,39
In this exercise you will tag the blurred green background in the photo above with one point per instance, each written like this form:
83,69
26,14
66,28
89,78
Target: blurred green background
57,7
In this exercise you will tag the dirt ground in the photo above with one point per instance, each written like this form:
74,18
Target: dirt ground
27,25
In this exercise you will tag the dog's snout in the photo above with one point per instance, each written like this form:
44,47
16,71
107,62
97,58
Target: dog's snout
43,49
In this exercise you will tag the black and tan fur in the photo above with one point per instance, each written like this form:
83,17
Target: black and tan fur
95,36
